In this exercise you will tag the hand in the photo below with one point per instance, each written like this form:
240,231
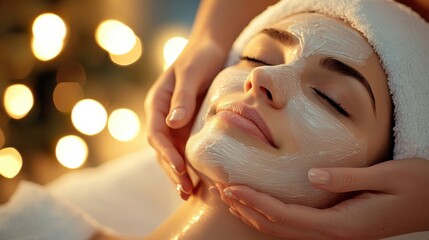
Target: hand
394,200
171,103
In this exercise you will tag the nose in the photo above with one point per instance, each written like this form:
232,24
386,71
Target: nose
261,85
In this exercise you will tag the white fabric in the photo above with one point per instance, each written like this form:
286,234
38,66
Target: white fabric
128,197
34,213
131,195
398,35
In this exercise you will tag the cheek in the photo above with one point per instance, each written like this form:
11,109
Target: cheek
323,141
321,137
230,80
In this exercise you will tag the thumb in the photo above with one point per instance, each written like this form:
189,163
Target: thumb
340,180
182,104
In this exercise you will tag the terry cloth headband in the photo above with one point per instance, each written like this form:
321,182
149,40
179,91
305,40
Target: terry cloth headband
400,38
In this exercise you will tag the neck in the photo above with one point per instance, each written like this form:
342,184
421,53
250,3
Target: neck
205,216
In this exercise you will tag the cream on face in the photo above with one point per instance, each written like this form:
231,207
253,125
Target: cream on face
321,138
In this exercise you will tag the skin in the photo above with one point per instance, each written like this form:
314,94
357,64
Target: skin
196,218
206,51
369,127
412,172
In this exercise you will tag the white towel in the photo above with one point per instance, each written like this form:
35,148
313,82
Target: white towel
34,213
400,38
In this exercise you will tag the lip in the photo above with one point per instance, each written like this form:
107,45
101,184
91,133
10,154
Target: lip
252,122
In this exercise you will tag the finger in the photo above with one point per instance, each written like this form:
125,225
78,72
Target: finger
224,198
276,211
349,179
157,102
183,102
183,182
157,131
162,144
263,224
238,215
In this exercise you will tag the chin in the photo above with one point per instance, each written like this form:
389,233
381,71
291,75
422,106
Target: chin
218,157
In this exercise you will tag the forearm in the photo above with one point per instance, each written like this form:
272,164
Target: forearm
222,20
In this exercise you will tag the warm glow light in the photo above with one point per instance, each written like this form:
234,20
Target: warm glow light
129,57
66,95
89,116
18,100
49,32
124,125
71,151
49,25
172,49
46,50
10,162
115,37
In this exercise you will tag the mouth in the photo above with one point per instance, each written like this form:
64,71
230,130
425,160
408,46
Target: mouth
246,118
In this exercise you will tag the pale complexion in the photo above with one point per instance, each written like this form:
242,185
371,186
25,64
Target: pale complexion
300,94
320,93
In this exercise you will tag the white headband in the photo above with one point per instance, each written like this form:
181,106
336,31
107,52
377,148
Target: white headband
401,39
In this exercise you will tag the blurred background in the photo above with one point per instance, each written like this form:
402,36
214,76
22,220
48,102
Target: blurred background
73,78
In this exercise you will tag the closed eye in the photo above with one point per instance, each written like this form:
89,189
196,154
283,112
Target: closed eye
337,106
253,60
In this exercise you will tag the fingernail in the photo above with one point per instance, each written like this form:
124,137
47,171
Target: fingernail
215,191
318,176
229,194
175,169
177,114
179,189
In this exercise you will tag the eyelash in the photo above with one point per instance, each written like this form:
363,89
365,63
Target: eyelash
323,95
253,60
332,102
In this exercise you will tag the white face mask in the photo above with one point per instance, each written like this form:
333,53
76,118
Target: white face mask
321,139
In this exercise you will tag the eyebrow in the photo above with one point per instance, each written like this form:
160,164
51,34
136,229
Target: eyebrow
283,37
337,66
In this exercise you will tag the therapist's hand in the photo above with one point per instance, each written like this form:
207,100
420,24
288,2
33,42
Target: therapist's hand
171,104
394,200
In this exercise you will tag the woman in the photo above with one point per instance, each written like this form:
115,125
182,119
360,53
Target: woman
272,116
260,210
309,91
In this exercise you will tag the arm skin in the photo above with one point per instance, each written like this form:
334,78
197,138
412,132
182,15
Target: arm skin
174,98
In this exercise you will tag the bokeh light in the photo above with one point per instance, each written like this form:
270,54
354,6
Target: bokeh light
115,37
49,32
130,57
124,125
10,162
66,95
71,151
18,101
172,49
89,117
49,25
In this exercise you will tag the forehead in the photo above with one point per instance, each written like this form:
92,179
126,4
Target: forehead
319,34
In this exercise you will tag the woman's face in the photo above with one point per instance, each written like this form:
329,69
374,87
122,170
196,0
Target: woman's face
308,92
